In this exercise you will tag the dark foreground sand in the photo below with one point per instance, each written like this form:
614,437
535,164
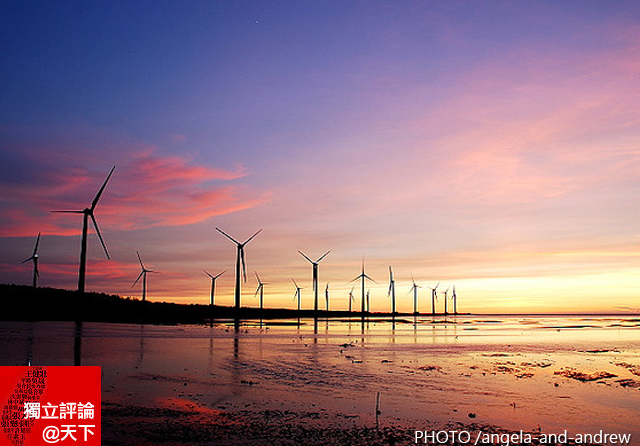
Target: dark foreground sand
193,425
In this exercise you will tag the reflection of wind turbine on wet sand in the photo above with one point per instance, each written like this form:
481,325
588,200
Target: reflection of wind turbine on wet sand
213,284
143,275
239,260
34,259
89,212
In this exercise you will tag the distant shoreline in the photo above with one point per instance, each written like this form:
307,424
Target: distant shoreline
25,303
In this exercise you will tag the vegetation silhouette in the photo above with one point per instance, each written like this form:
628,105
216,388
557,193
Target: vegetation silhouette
25,303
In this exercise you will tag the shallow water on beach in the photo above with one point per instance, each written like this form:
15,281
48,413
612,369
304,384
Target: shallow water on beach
515,372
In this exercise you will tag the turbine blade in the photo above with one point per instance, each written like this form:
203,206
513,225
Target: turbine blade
136,281
97,197
141,264
227,236
367,277
95,225
35,249
244,265
303,255
220,274
251,238
207,273
257,277
69,212
294,282
323,256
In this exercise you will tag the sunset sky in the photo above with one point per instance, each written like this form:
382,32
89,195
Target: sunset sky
491,145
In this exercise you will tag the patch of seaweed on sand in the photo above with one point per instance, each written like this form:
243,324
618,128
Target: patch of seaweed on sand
634,369
585,377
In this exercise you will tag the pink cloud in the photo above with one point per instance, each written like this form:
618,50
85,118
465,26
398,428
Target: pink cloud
535,124
145,190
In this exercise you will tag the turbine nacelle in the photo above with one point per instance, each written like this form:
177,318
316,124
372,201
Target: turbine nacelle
317,261
240,247
89,212
214,277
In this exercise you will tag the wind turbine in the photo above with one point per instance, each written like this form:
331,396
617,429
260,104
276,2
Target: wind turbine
315,276
363,276
143,275
298,293
434,297
392,291
89,212
239,259
445,301
34,259
414,288
455,301
260,289
326,295
213,284
351,298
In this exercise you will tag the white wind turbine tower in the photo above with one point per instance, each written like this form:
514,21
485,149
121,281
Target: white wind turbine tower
392,291
326,296
434,297
260,289
351,298
143,275
455,301
239,260
34,259
445,301
89,212
298,293
315,276
414,288
213,284
363,276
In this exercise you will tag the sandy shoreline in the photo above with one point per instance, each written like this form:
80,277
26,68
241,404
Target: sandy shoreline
285,384
186,424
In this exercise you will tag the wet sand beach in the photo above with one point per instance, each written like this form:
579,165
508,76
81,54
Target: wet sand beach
317,383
